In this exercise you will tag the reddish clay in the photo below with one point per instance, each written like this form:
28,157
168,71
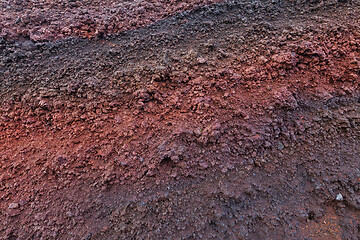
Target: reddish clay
238,120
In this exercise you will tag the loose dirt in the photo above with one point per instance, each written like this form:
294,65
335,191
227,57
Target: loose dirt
227,120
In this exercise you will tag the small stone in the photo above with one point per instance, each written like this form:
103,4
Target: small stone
28,45
47,93
13,205
62,159
263,60
339,197
322,93
285,98
201,60
224,169
281,146
204,165
69,214
88,236
267,144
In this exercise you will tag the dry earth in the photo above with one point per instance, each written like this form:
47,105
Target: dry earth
233,120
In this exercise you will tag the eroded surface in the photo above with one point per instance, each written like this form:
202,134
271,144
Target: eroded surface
238,120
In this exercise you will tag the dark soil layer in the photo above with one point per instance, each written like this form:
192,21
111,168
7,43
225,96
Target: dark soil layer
237,120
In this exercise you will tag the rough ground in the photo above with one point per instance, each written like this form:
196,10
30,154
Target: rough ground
55,19
236,120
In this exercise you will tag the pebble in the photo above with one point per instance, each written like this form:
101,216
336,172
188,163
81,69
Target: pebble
267,144
201,60
281,146
263,60
13,205
322,93
339,197
28,46
69,214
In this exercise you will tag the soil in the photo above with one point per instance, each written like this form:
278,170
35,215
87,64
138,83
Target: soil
56,19
197,120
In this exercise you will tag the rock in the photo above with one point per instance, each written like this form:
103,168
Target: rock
47,93
191,55
69,214
62,159
201,60
204,165
284,98
43,104
287,59
267,144
28,46
18,54
13,205
339,197
322,93
280,146
263,60
142,95
224,169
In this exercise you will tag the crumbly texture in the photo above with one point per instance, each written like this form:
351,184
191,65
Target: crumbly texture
46,20
236,120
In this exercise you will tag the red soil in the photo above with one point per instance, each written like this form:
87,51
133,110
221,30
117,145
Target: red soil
215,124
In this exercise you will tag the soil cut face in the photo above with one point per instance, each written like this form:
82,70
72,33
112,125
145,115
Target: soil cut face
56,19
233,120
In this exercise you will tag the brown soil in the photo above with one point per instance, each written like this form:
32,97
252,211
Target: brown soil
236,120
56,19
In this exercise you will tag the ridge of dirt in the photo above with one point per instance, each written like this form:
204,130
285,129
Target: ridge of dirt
238,120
